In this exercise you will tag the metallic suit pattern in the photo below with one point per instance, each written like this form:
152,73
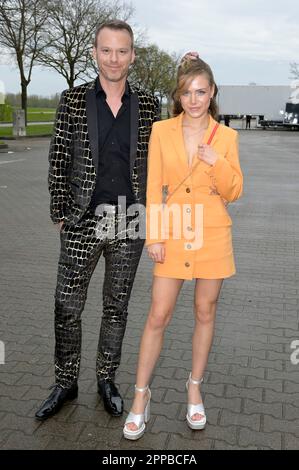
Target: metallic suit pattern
73,157
73,161
81,246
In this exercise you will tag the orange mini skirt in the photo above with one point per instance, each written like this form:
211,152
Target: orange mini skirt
214,260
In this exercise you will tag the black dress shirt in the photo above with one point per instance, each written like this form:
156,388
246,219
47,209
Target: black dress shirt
113,173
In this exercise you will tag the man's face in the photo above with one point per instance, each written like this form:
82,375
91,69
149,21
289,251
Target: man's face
114,54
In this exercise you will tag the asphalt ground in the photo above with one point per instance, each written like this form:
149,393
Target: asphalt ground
251,388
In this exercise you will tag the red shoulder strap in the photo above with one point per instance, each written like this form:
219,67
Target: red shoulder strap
213,133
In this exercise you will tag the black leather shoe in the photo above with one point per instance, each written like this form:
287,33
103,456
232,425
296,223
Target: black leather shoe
113,402
55,401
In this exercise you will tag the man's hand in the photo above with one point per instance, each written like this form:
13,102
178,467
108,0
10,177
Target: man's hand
156,252
191,55
59,225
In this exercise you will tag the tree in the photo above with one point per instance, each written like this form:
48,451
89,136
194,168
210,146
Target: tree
154,70
69,38
294,69
34,101
21,26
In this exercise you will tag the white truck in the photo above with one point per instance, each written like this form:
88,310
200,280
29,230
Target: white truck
291,114
272,105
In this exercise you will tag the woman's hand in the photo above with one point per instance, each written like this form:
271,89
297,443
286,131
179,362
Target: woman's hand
207,154
156,252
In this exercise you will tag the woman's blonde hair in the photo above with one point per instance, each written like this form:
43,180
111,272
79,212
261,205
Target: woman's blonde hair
187,71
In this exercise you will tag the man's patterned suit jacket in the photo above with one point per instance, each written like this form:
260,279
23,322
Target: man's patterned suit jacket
74,150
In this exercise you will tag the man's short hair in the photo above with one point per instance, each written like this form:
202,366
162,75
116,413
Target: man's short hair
117,25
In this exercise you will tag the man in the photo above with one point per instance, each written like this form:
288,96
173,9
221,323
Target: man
98,153
226,120
248,120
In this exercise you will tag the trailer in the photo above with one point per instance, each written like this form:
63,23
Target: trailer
291,116
266,103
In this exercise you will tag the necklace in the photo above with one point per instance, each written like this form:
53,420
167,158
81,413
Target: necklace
197,132
192,128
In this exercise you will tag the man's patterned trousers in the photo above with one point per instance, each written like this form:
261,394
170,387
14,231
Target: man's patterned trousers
81,246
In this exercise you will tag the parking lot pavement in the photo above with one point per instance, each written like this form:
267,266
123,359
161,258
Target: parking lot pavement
251,389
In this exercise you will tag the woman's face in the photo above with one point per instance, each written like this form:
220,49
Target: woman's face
195,100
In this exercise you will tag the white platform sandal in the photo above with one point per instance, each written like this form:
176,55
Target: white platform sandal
194,409
140,420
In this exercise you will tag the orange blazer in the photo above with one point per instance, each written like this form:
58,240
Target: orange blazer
208,185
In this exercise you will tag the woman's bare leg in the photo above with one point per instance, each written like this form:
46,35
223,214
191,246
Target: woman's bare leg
206,295
164,295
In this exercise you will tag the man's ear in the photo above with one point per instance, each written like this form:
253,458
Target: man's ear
133,56
94,53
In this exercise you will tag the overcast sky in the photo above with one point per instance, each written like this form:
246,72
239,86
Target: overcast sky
244,41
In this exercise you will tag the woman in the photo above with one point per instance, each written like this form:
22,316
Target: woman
193,173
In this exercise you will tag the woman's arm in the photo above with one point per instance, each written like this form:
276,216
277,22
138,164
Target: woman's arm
154,190
226,173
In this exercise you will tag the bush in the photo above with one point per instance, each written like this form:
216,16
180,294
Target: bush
5,113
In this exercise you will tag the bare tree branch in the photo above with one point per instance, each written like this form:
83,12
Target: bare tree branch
69,39
21,25
294,69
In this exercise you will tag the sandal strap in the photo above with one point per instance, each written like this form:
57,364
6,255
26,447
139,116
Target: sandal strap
195,382
136,419
144,389
194,409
